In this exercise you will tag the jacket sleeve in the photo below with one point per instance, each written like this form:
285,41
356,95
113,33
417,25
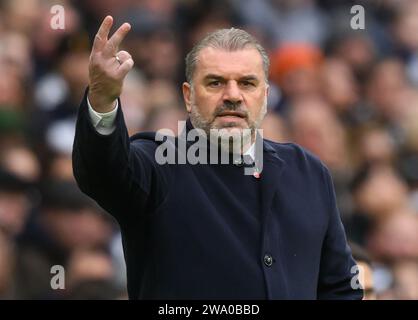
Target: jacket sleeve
122,176
338,274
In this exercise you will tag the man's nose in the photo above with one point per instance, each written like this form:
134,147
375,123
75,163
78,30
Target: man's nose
232,92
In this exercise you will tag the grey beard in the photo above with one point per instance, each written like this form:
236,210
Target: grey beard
231,141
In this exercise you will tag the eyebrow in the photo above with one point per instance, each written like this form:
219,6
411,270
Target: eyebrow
249,78
212,76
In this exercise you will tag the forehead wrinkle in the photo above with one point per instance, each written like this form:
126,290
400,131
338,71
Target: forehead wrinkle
232,63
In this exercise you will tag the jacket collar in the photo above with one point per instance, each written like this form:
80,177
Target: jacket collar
270,154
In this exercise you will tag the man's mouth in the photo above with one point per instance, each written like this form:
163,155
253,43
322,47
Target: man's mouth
232,114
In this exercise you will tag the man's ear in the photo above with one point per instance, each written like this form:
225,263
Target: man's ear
187,95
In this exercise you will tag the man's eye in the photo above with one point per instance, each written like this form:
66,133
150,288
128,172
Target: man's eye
214,83
247,84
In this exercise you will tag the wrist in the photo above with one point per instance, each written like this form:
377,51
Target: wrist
100,104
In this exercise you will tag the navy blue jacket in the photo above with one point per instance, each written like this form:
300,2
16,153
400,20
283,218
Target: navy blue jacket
211,232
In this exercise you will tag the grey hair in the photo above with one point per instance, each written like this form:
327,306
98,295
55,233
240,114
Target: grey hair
227,39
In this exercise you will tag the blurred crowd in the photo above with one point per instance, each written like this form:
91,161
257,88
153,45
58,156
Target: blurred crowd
349,96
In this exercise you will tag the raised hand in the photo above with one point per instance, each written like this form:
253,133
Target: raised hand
108,66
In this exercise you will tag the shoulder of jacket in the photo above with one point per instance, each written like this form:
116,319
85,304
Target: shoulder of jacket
150,140
296,154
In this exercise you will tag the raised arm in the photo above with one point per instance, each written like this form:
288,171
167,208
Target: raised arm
121,175
108,67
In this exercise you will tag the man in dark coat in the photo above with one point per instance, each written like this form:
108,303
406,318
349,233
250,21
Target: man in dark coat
208,230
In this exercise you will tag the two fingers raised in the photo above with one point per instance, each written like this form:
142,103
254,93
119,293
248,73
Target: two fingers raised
109,47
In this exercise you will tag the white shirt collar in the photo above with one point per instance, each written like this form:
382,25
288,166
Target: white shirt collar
251,152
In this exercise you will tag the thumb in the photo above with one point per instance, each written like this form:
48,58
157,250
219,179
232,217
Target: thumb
124,68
